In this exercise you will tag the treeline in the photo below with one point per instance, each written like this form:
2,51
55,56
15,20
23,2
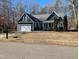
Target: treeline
12,10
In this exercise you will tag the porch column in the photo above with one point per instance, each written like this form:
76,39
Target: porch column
33,27
51,25
43,26
48,26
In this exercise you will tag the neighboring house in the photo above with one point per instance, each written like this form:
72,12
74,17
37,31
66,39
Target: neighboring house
44,22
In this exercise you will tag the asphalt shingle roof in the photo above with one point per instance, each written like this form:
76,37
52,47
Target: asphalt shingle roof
33,18
40,18
30,16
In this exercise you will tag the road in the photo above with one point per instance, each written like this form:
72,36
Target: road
11,50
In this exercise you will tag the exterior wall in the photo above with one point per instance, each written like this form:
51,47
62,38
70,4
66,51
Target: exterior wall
38,26
60,26
48,26
32,26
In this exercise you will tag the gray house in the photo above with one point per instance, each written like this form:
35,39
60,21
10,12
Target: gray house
44,22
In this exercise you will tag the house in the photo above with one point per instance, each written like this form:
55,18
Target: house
44,22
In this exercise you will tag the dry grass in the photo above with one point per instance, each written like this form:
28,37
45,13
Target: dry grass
58,38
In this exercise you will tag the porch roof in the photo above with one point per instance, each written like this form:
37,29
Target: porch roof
48,21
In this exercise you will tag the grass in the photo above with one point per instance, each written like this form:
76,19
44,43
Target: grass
54,38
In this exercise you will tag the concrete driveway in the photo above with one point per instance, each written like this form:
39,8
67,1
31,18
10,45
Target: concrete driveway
36,51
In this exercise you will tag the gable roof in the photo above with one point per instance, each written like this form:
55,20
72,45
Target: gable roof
30,16
33,18
52,15
41,17
21,17
46,17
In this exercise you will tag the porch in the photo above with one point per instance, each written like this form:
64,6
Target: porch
48,26
45,26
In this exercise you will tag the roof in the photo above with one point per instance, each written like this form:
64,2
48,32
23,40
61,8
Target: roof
46,17
30,16
21,18
52,15
59,14
33,18
42,17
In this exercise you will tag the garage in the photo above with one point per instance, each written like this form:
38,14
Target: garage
26,28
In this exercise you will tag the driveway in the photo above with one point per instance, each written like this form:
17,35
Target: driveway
11,50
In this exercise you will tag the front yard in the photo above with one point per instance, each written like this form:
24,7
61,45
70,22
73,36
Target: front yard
51,37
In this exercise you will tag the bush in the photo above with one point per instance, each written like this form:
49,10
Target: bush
15,37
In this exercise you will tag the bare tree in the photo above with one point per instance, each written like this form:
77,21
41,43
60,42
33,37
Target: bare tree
6,6
43,10
35,8
55,7
74,8
20,7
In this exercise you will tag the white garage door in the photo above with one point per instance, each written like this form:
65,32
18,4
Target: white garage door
26,28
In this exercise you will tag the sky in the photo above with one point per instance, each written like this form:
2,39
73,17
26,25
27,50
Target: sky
44,2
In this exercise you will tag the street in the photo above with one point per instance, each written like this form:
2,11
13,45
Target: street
9,50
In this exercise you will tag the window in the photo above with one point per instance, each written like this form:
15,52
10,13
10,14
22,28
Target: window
49,24
46,25
52,24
